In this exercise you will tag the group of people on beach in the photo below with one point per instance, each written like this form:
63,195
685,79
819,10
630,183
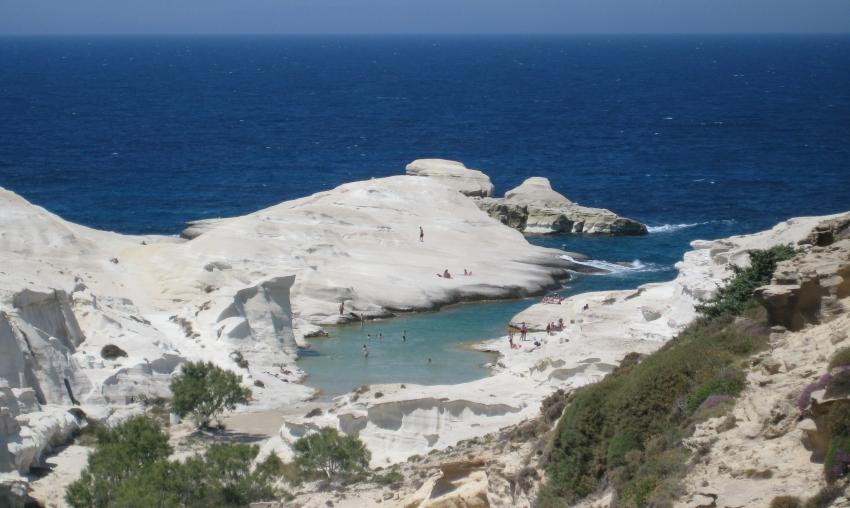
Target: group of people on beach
553,298
447,275
523,332
553,327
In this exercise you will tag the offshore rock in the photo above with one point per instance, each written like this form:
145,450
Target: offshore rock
534,207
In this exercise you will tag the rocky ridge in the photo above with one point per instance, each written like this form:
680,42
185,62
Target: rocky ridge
774,441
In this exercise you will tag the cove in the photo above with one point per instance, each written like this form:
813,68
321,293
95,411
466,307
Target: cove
335,365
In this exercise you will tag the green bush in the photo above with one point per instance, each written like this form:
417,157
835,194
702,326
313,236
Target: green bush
331,454
130,468
390,478
824,497
840,358
734,298
728,383
204,390
786,502
133,445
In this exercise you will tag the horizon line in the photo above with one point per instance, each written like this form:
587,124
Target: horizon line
418,34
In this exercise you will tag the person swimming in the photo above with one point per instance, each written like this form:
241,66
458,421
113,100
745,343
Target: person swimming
404,336
365,351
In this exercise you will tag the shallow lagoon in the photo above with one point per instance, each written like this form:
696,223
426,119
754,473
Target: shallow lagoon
335,364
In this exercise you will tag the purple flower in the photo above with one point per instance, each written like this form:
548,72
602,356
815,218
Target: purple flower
806,395
835,472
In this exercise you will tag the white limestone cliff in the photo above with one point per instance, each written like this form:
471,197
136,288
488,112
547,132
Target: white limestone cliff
359,244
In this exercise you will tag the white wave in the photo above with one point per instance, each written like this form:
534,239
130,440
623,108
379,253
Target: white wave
635,266
667,228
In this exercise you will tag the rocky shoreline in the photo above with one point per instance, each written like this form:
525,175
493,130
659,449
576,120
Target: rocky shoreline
94,324
97,322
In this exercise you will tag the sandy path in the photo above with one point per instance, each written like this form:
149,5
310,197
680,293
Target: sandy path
66,466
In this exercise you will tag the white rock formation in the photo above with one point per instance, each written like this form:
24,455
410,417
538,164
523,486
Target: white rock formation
105,320
416,419
359,244
455,175
534,207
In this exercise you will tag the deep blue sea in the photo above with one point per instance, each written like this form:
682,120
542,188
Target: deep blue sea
697,136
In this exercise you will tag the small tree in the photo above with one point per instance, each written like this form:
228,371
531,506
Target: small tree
331,454
205,390
129,447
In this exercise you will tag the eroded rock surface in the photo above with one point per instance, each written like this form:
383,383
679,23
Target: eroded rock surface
810,286
774,441
470,182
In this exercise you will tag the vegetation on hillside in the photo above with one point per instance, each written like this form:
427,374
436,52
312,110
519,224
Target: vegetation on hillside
130,468
626,431
204,390
331,454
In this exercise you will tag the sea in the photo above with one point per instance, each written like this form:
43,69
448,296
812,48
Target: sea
698,136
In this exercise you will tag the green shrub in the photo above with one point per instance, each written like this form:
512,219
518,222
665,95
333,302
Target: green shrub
839,384
786,502
131,446
391,477
824,497
331,454
734,298
204,390
837,457
130,468
840,358
838,420
728,383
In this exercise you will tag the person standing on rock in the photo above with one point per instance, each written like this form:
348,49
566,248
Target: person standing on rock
523,331
341,307
421,234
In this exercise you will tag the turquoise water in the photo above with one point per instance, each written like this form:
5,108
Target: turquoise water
335,364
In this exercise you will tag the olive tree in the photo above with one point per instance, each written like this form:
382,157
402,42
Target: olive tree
204,390
331,454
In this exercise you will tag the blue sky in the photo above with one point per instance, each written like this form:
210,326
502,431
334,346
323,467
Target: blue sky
420,16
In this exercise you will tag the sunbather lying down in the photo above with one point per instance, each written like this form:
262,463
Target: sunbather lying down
445,274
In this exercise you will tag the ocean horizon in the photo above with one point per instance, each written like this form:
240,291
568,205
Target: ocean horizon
140,134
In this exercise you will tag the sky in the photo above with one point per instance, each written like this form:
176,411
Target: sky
55,17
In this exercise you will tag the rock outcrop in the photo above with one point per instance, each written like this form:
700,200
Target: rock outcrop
359,244
775,440
810,286
455,175
534,207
